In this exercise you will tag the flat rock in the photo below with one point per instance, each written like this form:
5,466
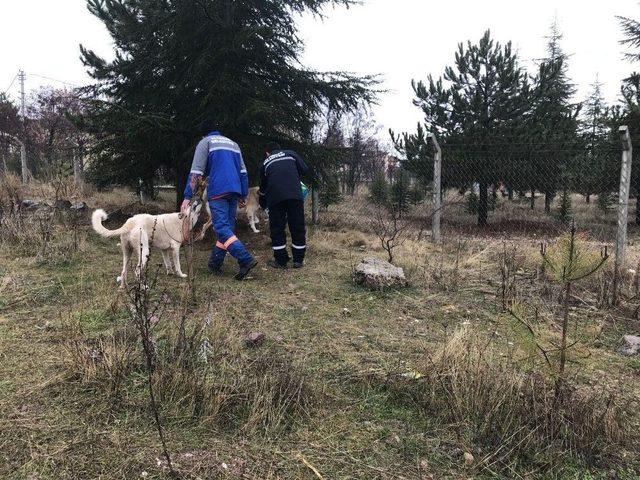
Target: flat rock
378,274
79,207
629,346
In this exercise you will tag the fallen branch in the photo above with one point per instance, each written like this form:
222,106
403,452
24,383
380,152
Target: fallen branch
309,466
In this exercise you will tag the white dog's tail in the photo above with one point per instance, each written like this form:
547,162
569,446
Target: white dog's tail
100,216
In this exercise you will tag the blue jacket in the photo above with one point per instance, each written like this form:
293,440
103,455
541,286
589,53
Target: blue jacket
220,160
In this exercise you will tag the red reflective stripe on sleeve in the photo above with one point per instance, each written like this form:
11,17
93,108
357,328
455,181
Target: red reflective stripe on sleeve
231,240
221,245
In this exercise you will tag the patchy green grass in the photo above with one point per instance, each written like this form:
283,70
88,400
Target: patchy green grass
349,343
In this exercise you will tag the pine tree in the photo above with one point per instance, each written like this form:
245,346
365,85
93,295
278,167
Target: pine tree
591,174
629,113
554,122
564,209
400,193
330,192
180,62
474,109
379,190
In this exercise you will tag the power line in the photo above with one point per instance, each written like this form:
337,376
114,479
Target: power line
11,84
53,79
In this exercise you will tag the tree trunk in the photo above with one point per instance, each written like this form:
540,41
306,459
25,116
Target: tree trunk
483,205
548,200
533,198
638,210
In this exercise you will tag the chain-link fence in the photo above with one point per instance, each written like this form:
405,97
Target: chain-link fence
526,190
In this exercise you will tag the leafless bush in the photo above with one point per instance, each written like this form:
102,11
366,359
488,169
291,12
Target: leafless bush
513,415
391,227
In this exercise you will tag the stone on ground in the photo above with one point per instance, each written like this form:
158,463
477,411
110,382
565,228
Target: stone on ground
630,345
254,339
378,274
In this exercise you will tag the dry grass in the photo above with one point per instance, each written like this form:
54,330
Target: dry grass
216,380
316,394
512,418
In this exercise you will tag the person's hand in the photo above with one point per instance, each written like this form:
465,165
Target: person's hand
185,206
242,203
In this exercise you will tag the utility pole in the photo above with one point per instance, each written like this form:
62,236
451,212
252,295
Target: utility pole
22,77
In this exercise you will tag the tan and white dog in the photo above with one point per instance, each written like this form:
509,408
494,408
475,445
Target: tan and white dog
165,232
251,210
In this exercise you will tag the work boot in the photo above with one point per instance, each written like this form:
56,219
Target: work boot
276,265
298,264
245,269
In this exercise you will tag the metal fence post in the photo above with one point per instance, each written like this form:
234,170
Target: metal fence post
623,208
437,191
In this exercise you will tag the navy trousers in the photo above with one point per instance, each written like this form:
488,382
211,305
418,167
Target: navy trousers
288,212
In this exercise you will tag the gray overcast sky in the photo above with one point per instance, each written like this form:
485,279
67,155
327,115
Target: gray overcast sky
399,39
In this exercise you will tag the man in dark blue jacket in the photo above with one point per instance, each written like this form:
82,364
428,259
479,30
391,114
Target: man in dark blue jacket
219,159
281,193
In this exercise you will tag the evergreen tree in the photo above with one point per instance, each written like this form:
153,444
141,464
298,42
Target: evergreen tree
379,190
178,62
591,174
629,112
554,122
400,193
564,209
329,191
474,109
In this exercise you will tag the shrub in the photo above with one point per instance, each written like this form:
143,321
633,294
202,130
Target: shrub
379,190
605,202
400,193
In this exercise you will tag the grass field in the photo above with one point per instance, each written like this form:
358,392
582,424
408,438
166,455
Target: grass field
337,390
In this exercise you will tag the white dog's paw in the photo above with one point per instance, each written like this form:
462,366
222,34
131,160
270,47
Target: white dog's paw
119,279
182,275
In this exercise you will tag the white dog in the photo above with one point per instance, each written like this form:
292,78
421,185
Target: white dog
166,232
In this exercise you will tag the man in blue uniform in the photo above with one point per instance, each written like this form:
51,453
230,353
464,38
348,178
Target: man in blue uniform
281,192
219,159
